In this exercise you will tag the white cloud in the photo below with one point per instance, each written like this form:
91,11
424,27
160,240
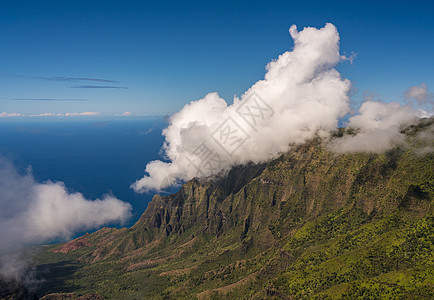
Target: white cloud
8,115
47,115
33,213
127,113
86,113
418,92
379,115
380,125
302,95
68,114
421,94
376,140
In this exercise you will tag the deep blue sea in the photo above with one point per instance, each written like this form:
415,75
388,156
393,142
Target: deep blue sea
93,157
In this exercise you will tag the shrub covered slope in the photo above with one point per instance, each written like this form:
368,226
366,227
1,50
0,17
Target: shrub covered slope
310,224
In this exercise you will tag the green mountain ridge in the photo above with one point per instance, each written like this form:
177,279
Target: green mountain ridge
310,224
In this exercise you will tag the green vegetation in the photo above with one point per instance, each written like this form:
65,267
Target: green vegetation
308,225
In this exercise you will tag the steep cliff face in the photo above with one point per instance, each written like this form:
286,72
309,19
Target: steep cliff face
198,204
310,223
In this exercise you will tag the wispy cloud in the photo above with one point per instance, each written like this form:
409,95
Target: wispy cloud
49,114
62,78
68,114
421,94
97,87
9,115
130,114
86,113
76,79
47,99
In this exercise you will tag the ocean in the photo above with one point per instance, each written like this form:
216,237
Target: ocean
93,157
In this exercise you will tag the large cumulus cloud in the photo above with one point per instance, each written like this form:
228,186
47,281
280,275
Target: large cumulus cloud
301,95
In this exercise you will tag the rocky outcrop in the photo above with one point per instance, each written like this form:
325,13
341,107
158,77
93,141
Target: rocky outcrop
73,245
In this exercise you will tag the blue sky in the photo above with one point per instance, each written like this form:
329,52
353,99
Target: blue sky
153,57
